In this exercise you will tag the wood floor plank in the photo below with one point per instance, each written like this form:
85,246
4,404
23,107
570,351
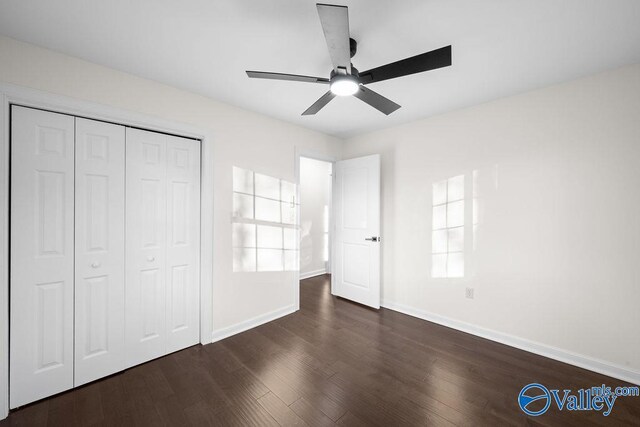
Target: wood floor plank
283,414
332,362
87,406
201,414
348,419
171,411
310,413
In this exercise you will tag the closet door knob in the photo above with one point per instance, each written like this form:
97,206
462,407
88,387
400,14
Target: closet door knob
151,258
95,264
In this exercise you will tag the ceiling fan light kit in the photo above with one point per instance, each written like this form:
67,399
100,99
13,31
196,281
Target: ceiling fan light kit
344,79
344,84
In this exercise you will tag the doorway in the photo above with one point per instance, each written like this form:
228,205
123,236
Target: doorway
340,225
316,179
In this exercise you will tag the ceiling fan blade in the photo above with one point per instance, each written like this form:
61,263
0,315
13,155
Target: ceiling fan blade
376,100
319,104
282,76
335,24
416,64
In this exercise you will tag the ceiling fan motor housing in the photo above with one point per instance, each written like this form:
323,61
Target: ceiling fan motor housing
353,47
354,72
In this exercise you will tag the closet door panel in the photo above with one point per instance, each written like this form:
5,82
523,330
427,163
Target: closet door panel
42,254
146,223
99,248
183,243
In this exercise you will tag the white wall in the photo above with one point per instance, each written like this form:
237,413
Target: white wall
556,261
315,199
241,138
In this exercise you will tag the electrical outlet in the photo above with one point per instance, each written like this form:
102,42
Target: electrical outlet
468,293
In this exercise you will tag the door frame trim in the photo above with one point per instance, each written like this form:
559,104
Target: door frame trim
27,97
316,155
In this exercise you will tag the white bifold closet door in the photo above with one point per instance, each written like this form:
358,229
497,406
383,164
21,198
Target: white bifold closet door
42,254
183,243
162,244
105,250
99,250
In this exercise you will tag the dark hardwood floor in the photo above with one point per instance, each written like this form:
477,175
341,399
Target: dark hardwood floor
333,362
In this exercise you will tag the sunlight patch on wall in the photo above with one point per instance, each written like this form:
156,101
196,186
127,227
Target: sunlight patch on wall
264,227
447,245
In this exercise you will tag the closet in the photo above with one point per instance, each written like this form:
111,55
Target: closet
105,249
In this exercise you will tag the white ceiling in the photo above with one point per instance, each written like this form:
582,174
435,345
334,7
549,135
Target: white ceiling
500,47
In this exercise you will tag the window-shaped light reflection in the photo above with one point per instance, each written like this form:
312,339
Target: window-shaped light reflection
244,260
455,188
440,193
290,260
289,213
439,241
455,241
270,237
243,235
242,181
455,265
267,210
439,217
264,228
475,213
448,215
242,206
288,192
267,186
290,238
455,214
270,260
439,265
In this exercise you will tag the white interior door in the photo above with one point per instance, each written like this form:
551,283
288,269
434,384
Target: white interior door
42,254
183,243
146,236
356,197
99,250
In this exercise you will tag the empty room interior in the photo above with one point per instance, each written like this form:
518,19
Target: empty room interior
283,212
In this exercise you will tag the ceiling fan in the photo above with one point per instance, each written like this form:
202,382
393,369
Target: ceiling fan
344,79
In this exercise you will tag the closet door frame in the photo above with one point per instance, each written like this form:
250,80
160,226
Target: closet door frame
27,97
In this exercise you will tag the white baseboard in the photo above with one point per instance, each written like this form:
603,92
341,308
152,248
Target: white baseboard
314,273
223,333
585,362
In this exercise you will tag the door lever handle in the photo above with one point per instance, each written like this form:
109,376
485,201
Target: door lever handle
372,239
